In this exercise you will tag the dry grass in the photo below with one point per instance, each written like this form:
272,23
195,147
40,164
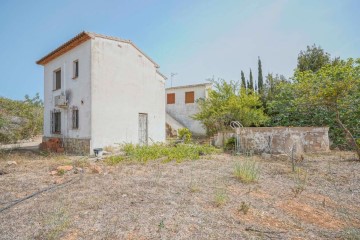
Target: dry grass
197,199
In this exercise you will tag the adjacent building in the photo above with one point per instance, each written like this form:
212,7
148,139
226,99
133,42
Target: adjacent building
181,105
100,91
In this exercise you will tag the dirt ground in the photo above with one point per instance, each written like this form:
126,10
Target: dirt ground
190,200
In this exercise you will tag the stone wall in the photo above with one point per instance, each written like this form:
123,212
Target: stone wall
76,146
278,140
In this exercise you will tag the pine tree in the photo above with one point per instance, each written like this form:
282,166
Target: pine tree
251,83
260,76
243,81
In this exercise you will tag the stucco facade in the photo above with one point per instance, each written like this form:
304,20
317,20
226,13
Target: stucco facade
116,82
182,111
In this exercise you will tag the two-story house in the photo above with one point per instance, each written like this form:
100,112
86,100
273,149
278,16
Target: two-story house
100,91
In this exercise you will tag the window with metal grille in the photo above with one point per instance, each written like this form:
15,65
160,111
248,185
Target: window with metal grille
189,97
170,98
57,79
55,122
75,118
75,69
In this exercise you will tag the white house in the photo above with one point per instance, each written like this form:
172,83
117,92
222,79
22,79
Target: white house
100,91
181,105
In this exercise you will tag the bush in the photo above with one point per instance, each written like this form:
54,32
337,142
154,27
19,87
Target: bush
178,153
185,134
230,144
247,171
113,160
20,119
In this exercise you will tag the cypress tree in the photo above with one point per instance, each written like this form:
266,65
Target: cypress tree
243,81
251,83
260,76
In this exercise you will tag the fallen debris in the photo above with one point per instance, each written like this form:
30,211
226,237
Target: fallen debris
11,163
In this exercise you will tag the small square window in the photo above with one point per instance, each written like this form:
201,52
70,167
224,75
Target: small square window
189,97
75,69
170,98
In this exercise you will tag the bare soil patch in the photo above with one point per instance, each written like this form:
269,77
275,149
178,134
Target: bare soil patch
173,200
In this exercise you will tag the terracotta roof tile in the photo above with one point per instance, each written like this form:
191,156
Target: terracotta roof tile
83,37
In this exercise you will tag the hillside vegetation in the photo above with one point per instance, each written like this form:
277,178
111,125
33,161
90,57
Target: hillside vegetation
20,119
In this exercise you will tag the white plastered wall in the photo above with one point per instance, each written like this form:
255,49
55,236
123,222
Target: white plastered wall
77,89
124,84
183,112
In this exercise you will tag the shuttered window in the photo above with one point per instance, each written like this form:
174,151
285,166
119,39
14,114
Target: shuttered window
75,118
55,122
57,79
76,69
189,97
170,98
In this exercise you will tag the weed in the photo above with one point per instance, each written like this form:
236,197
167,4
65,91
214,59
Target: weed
221,197
56,224
230,144
194,188
247,171
161,224
178,153
81,163
185,135
109,148
113,160
61,172
300,180
244,207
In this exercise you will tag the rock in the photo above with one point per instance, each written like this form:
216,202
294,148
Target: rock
11,163
64,168
266,155
78,170
53,173
95,169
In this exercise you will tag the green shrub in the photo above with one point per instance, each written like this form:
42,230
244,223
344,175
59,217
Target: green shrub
230,144
247,171
113,160
185,134
179,153
221,197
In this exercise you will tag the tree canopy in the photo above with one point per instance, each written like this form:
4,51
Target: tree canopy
228,102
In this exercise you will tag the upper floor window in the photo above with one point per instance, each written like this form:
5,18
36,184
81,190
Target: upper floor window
189,97
57,79
75,69
170,98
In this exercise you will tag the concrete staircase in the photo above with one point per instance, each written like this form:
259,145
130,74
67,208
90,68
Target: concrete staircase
172,125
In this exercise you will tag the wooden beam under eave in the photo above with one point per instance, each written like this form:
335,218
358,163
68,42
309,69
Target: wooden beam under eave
63,49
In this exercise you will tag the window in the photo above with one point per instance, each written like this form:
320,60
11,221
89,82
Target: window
57,79
189,97
56,122
75,69
75,118
170,98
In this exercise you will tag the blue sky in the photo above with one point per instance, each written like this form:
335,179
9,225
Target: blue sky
196,39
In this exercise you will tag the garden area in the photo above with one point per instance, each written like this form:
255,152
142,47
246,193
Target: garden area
186,191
